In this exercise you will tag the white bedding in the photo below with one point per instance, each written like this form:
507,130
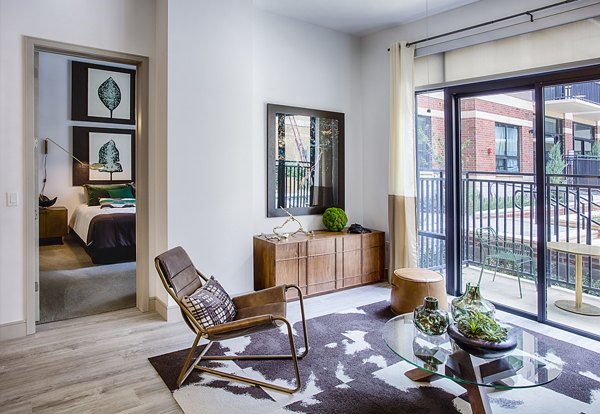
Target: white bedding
83,215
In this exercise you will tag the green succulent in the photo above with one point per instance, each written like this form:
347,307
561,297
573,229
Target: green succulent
480,326
334,219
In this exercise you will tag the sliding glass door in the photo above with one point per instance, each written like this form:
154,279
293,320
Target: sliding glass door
497,186
431,181
508,178
572,205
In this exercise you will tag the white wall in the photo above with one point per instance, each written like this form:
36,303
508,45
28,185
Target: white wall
124,26
210,136
298,64
226,62
54,114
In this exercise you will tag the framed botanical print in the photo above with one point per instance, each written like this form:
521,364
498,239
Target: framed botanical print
102,93
108,155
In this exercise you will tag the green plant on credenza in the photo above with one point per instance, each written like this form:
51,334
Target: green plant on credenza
334,219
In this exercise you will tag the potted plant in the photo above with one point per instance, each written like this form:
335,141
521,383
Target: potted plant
479,334
334,219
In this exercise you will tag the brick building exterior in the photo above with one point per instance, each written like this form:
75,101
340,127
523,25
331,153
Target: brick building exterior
486,121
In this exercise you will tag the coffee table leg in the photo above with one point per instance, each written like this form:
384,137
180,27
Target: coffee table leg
478,398
420,375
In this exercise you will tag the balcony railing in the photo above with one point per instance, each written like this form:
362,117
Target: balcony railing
506,202
585,168
587,91
295,189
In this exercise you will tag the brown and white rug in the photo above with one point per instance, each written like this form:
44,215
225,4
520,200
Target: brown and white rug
349,369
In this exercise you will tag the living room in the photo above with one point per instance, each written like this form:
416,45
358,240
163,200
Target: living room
212,69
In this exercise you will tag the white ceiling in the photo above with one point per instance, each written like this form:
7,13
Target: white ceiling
358,17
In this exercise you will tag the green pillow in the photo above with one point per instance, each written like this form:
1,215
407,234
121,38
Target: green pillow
94,192
124,192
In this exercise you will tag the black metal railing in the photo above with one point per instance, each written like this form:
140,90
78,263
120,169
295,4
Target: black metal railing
573,215
587,91
585,168
502,201
431,234
506,203
295,189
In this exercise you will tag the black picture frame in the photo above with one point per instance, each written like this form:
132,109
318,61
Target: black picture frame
86,137
335,196
88,104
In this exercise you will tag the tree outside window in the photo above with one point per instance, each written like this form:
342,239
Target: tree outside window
507,148
424,142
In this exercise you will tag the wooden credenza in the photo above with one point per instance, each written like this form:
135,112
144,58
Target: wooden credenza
319,263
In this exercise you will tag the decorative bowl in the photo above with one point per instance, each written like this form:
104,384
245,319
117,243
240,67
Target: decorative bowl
46,202
481,348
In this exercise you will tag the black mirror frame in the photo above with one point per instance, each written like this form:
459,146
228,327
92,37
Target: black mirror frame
338,188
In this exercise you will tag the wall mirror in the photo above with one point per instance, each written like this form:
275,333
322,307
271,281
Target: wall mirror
305,160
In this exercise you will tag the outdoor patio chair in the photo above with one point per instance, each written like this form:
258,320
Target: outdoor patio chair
205,306
503,252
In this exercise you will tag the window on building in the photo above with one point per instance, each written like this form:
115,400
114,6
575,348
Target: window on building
424,143
553,133
583,138
507,147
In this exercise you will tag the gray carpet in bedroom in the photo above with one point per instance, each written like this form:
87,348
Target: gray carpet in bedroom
66,294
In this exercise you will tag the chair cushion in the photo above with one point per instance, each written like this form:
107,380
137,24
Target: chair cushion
210,304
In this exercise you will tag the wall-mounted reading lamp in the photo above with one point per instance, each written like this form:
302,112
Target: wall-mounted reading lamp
45,201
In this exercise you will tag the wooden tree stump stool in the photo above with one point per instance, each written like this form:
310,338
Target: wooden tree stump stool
410,286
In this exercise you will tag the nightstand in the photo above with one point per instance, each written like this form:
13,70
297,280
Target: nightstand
53,224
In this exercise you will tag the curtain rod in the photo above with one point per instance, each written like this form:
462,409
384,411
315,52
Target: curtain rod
476,26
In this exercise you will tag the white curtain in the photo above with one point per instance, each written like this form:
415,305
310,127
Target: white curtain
402,213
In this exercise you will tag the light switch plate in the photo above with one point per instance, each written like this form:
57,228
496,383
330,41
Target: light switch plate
12,199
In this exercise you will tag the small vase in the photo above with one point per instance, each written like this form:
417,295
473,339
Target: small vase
430,350
471,300
429,319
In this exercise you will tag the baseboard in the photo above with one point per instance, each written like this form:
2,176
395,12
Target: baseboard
168,313
13,330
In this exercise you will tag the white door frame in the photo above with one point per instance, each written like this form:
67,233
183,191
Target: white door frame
30,197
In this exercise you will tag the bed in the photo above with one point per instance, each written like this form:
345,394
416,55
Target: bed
107,234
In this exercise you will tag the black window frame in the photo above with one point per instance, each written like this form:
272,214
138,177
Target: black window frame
504,157
584,141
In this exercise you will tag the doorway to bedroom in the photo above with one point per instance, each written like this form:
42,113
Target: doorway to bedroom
86,127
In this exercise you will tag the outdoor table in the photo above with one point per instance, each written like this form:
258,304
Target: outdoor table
579,250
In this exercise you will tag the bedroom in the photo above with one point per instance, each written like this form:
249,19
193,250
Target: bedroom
86,175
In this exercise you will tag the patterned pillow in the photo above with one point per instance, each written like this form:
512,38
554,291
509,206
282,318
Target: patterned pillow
216,289
117,202
210,305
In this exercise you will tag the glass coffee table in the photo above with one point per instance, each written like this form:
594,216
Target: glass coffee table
436,357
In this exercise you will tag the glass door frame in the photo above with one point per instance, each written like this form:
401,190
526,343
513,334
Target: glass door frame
452,96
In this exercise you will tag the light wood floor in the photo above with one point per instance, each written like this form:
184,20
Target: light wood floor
98,364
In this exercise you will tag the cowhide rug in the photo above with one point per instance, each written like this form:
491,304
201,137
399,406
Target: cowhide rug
349,369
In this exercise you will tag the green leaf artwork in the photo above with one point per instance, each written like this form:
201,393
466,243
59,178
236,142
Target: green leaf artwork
109,157
110,94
